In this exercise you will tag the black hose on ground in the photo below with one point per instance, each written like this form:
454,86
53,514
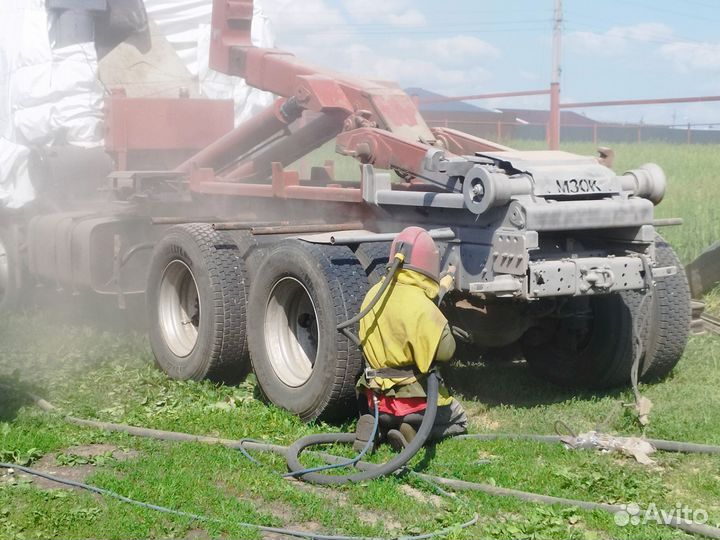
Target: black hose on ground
399,461
461,485
659,444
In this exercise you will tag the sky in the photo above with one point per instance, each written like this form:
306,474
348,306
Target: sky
612,49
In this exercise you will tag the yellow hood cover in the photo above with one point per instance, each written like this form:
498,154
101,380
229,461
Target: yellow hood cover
404,328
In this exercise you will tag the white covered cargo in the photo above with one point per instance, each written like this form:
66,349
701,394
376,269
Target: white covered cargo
53,95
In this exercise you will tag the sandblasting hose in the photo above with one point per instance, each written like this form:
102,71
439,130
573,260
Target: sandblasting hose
389,278
398,462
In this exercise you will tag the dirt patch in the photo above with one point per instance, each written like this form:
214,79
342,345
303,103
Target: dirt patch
280,511
480,420
338,498
197,534
79,462
307,526
93,450
425,498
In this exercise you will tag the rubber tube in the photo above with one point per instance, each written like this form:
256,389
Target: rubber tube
275,530
704,530
399,461
659,444
528,496
368,446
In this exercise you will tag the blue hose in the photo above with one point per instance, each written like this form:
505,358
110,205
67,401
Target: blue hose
165,510
353,461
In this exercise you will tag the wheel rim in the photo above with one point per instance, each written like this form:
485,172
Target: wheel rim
179,309
291,332
4,271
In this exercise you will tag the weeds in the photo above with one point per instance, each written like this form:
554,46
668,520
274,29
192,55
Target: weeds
110,376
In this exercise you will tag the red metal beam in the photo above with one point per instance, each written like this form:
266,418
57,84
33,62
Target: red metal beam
697,99
459,143
555,124
485,96
254,131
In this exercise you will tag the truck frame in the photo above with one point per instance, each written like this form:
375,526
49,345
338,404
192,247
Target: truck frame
245,264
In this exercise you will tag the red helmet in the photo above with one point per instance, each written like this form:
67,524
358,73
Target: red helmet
421,253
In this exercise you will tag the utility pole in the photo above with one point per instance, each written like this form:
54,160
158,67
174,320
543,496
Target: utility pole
554,128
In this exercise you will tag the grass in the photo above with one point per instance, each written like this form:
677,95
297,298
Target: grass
91,372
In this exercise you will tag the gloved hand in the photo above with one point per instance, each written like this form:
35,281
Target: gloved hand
447,282
461,334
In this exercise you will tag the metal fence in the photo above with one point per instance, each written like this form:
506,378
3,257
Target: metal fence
595,133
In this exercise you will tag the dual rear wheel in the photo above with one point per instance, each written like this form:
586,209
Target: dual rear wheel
219,306
206,317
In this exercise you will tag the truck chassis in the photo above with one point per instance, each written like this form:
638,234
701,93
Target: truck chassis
247,265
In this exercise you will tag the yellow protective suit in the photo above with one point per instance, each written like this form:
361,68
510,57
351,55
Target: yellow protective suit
404,330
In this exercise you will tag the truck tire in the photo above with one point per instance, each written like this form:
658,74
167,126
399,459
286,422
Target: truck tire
196,300
374,258
667,315
251,252
602,355
591,346
301,362
11,292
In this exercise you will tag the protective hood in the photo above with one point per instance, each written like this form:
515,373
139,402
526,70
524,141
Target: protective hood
430,287
404,327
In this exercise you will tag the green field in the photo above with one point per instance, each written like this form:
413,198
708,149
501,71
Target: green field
91,372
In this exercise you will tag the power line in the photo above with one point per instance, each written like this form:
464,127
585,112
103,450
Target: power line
655,7
702,4
630,37
399,32
445,24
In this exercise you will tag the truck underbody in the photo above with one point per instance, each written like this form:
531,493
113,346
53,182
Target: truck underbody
246,264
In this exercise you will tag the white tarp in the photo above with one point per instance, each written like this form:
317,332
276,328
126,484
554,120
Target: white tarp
53,95
186,25
23,44
48,95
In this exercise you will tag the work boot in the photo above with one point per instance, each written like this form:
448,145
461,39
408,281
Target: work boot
363,432
396,440
408,432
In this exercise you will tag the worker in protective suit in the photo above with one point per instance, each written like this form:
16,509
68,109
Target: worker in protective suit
402,337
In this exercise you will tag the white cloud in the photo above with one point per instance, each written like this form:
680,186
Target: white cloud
456,50
414,70
618,39
312,22
320,33
394,12
411,17
687,56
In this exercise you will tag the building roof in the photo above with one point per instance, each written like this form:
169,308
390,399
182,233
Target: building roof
460,110
453,106
535,116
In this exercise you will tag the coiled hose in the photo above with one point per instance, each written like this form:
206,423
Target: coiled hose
399,461
315,475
